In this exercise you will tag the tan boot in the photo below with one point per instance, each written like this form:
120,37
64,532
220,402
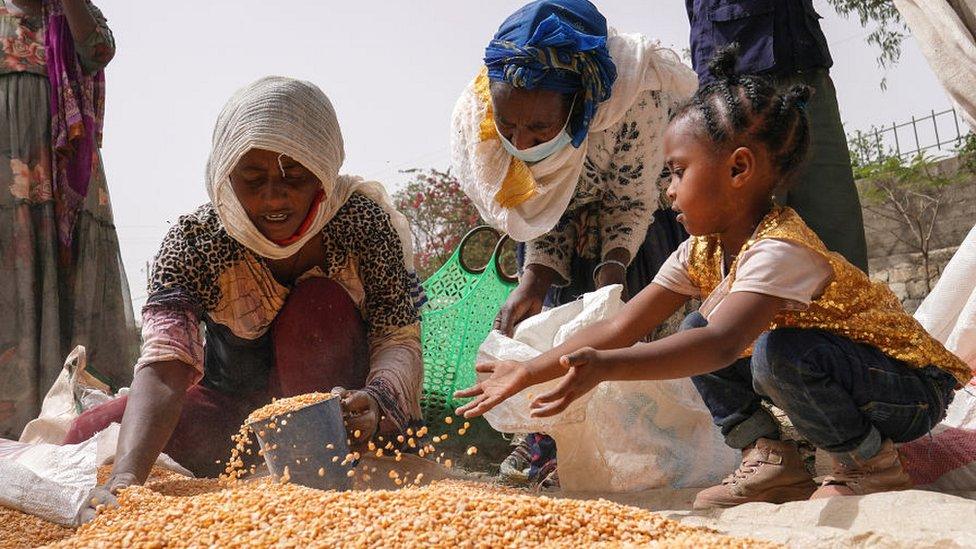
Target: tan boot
771,471
881,473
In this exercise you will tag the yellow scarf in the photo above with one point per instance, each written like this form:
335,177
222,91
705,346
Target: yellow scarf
518,185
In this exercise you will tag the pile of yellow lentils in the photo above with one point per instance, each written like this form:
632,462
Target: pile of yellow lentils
175,511
282,406
443,514
20,530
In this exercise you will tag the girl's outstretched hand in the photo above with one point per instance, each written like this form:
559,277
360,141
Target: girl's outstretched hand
507,378
587,367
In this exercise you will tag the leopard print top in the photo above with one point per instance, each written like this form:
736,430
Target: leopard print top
200,266
201,274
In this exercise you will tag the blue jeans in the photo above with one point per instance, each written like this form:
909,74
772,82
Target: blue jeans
842,396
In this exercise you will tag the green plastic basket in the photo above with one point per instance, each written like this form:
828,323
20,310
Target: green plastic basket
462,304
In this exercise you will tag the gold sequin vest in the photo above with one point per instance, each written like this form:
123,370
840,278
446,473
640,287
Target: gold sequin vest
851,305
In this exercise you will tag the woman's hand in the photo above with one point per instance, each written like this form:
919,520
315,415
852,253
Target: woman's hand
587,368
81,22
526,300
614,270
522,303
361,413
611,273
506,378
104,495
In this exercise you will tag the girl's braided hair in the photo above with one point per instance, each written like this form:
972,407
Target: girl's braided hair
738,110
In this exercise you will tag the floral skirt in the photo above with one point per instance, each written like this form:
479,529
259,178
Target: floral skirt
52,299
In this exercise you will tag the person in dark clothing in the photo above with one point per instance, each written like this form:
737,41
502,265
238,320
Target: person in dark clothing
782,40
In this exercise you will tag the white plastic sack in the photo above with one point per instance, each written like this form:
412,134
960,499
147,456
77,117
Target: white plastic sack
74,391
40,476
49,481
52,481
622,436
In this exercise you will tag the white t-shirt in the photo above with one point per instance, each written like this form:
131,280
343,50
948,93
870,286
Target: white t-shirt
771,267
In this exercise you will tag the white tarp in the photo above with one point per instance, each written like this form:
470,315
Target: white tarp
949,311
946,33
895,520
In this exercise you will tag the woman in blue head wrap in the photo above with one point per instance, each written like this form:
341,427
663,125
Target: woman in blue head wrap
549,56
558,143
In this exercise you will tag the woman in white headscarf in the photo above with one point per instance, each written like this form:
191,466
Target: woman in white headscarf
301,278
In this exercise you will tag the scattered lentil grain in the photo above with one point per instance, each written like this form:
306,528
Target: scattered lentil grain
442,514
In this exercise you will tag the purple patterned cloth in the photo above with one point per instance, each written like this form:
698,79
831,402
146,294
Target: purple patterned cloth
77,112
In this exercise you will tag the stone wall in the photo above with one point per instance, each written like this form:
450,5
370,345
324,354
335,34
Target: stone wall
956,217
901,267
905,274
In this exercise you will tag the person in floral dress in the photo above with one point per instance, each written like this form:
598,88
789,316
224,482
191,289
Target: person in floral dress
61,277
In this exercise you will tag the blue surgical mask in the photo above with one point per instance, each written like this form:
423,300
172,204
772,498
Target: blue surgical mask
542,150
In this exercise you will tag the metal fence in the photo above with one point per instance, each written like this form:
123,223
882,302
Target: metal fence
939,131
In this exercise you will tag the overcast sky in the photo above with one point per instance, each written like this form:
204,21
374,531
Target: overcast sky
393,70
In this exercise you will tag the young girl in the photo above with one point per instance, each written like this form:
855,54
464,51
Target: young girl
782,319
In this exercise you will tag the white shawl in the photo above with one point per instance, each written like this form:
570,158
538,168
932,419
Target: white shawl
295,118
482,164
